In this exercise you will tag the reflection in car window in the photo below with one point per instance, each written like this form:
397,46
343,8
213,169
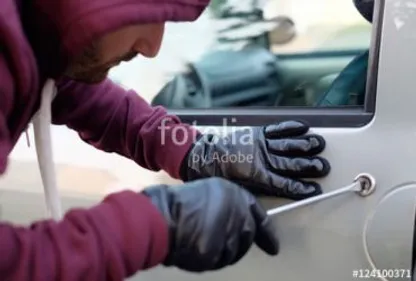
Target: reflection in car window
258,54
322,25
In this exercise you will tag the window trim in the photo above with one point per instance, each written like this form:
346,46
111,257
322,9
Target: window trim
315,117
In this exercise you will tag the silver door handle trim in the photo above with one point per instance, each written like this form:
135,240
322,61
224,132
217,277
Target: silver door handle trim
364,185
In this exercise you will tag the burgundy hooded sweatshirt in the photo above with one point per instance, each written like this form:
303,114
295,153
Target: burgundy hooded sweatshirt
124,233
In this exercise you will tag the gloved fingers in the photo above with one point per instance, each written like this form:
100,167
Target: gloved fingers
286,129
265,237
306,145
273,185
293,189
240,244
299,167
233,251
240,233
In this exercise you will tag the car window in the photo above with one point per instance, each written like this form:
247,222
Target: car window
260,55
320,25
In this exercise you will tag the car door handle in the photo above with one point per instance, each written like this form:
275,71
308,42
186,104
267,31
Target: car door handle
364,185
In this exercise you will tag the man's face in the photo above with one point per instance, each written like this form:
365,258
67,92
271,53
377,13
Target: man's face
93,65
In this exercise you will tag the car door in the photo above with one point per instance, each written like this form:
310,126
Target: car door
348,237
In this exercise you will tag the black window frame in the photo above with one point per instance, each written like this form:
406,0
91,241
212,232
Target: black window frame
316,117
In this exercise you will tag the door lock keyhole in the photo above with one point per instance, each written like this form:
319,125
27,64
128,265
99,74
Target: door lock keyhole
367,184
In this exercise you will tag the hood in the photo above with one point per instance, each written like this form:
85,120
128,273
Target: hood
60,29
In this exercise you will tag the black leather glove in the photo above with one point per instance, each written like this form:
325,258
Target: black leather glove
212,223
266,160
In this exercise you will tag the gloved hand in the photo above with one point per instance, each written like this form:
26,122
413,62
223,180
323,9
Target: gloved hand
212,223
266,160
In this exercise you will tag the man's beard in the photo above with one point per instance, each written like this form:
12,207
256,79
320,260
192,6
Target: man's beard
89,76
80,68
86,68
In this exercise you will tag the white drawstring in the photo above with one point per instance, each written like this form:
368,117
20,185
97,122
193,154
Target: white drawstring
43,141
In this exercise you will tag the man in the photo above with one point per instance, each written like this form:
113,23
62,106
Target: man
204,224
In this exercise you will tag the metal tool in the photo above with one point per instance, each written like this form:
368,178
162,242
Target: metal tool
364,185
